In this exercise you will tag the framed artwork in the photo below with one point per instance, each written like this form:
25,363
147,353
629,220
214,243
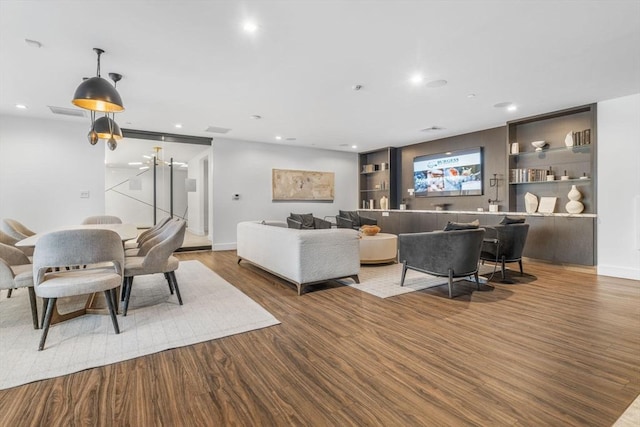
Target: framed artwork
297,185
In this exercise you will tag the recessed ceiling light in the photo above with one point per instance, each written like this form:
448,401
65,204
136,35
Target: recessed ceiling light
436,83
416,79
143,168
21,106
178,125
356,87
354,146
278,137
471,95
504,104
256,117
512,108
250,27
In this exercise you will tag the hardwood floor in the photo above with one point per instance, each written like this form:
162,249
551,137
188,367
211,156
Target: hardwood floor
558,348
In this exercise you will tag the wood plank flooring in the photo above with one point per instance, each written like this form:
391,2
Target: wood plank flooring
557,348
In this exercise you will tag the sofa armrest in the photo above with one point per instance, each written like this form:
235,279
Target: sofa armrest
368,221
343,222
292,223
321,223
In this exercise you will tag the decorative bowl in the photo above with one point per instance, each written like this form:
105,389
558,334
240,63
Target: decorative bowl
369,230
539,145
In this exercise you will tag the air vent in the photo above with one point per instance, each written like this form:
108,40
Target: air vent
215,129
431,129
67,111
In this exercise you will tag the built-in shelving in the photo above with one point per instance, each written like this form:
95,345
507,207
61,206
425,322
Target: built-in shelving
378,178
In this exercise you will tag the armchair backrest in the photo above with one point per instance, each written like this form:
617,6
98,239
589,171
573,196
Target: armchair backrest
102,219
147,234
436,252
15,229
353,219
172,240
157,236
10,256
511,240
76,247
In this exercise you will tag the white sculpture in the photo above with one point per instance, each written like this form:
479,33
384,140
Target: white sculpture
530,203
568,140
574,206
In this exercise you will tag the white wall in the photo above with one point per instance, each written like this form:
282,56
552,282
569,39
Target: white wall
44,165
245,168
619,187
198,200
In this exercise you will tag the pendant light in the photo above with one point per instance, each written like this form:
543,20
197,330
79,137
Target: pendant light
97,94
106,127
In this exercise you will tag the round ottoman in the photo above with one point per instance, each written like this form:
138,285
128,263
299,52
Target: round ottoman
378,249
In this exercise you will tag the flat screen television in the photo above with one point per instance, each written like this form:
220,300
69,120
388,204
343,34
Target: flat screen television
454,173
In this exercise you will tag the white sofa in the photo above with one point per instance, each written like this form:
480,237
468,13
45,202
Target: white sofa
303,257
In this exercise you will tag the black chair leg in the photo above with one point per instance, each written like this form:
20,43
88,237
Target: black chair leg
110,296
9,293
477,280
34,308
127,295
172,275
520,263
503,268
166,276
450,283
51,302
404,272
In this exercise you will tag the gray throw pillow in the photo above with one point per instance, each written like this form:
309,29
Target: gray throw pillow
512,220
462,225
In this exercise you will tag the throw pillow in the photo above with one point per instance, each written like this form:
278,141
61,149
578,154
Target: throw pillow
462,225
305,219
352,216
512,220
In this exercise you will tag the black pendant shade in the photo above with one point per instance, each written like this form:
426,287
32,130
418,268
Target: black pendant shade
105,127
97,94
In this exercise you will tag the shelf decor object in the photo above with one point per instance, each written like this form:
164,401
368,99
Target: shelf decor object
530,202
539,145
568,140
547,204
574,206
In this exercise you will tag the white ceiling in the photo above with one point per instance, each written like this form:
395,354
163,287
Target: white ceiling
190,62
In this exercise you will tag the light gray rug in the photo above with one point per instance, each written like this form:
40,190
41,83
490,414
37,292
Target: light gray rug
213,308
383,281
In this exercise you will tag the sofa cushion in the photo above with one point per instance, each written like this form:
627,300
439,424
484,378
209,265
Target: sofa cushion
461,225
512,220
305,219
352,216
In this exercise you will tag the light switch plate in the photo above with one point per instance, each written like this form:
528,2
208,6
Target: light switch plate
84,194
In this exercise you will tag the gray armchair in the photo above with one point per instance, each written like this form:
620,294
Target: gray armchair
15,229
505,243
16,271
102,219
306,222
353,220
442,253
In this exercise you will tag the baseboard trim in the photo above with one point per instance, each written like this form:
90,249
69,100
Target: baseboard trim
620,272
225,246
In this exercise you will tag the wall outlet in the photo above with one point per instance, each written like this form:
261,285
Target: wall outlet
385,213
84,194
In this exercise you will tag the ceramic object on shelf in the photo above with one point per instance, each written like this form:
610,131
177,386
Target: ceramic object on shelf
530,203
568,140
574,206
539,145
515,148
384,203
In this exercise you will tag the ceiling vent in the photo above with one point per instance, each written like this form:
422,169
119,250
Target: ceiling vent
67,111
431,129
215,129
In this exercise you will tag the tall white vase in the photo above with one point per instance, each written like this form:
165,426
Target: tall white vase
530,203
574,206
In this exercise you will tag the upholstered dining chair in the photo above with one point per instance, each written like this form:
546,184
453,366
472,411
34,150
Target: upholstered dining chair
504,244
449,254
132,248
100,250
158,259
15,229
16,271
102,219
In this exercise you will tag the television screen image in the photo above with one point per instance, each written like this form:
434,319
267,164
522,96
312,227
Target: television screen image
455,173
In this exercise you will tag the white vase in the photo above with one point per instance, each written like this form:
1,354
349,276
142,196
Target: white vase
530,203
574,206
568,140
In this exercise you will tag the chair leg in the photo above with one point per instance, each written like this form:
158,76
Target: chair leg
109,296
34,308
127,295
520,263
450,283
51,302
503,268
166,276
477,280
9,293
172,275
404,272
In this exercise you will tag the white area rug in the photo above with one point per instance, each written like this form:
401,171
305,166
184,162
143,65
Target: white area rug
213,308
383,281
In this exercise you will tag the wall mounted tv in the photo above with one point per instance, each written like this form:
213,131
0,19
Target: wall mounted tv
454,173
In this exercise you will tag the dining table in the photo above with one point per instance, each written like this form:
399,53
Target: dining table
95,303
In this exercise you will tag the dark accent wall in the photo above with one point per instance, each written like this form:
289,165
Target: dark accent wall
495,161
